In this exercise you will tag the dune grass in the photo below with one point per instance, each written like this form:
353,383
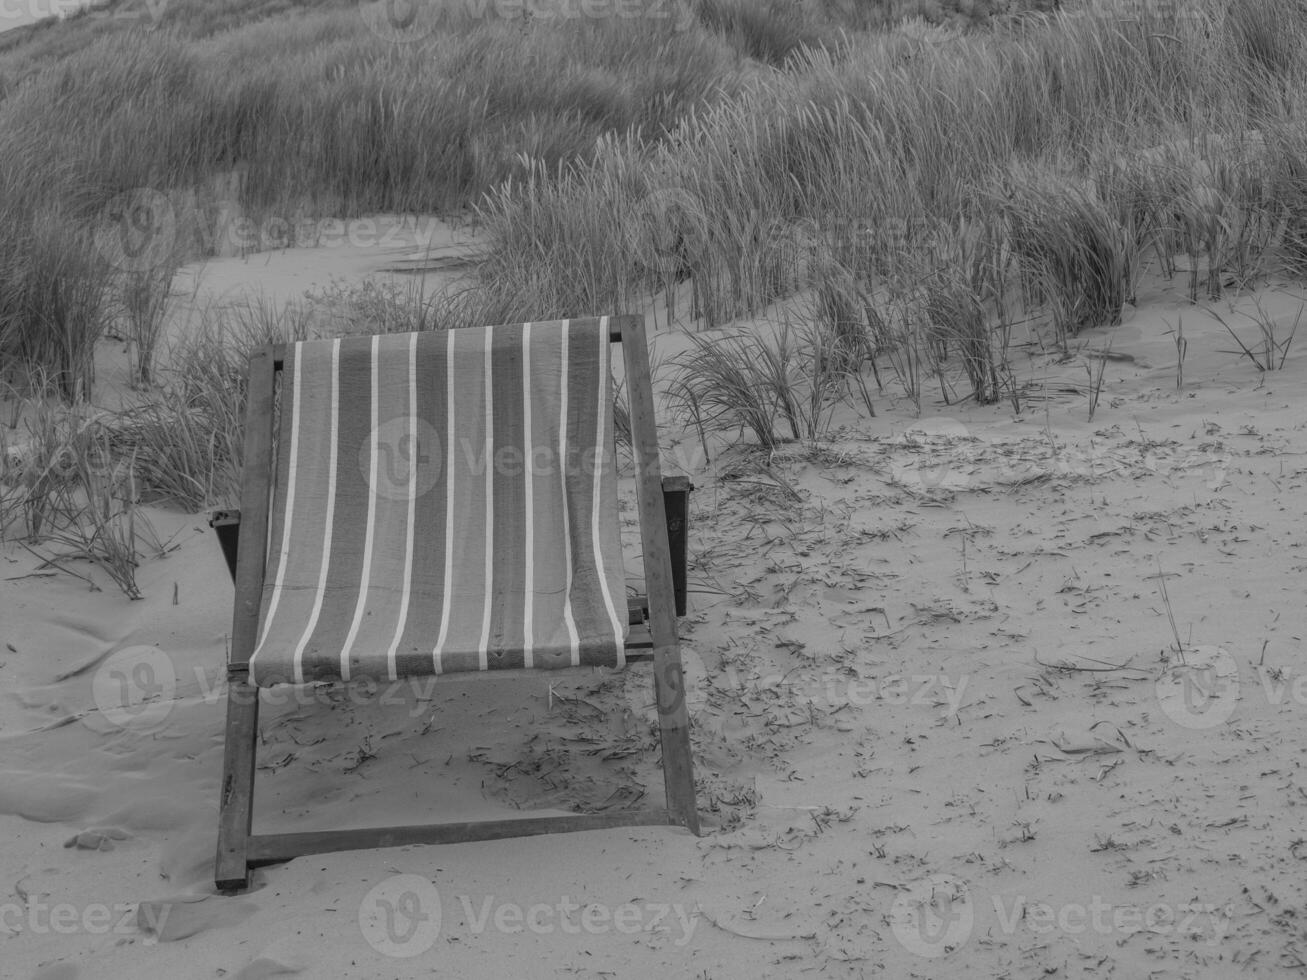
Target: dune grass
69,496
1274,339
888,152
898,195
317,118
782,388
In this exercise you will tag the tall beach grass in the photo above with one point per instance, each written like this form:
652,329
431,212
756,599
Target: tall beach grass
903,195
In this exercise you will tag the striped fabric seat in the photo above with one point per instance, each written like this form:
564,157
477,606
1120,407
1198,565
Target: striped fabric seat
444,501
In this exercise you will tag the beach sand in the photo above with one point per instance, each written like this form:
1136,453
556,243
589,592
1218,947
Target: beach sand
943,724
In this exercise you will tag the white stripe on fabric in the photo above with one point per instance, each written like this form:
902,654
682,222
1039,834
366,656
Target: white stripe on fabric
484,646
601,452
412,506
369,538
330,515
449,504
528,474
573,639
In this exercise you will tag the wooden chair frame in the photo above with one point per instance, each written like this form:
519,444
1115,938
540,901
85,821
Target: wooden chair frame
244,537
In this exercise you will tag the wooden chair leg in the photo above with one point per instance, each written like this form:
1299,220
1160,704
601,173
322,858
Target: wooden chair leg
669,683
236,806
674,729
236,795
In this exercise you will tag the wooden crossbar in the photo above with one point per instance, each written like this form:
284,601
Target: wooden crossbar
275,848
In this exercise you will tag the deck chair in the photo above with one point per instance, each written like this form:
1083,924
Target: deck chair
438,502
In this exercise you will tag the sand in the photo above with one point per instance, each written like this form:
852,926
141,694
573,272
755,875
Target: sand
943,723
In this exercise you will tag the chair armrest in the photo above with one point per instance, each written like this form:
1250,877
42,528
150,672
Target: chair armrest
676,505
227,524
